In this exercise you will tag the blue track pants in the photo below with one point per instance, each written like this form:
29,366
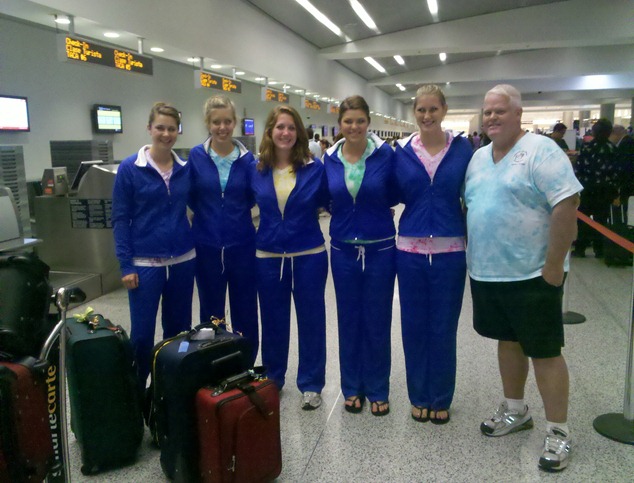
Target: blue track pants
305,277
233,267
430,289
173,286
364,286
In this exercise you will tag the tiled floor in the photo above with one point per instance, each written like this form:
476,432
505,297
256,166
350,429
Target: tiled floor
331,445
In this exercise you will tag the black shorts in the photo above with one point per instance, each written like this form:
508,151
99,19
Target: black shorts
528,312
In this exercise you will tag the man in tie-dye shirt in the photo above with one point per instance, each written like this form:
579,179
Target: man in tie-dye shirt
522,195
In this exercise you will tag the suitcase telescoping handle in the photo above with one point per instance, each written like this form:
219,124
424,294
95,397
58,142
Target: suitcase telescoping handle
213,324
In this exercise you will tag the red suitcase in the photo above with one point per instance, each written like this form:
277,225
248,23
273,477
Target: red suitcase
25,435
239,432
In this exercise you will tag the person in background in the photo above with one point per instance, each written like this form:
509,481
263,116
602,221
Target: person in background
430,257
290,186
223,230
557,135
597,170
360,180
313,146
476,140
521,196
153,238
625,161
324,144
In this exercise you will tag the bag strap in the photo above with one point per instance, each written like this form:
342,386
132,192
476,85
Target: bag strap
255,398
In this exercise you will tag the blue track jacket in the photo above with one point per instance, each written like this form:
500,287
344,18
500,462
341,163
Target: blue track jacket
298,229
432,208
368,217
221,219
149,220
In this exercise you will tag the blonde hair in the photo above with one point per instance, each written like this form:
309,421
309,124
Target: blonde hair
218,102
430,90
508,91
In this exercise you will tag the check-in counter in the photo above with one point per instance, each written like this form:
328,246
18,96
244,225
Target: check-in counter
76,233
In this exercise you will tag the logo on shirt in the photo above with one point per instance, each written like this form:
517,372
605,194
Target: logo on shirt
520,158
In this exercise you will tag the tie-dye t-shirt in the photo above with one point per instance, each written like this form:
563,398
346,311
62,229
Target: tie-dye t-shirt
354,171
509,207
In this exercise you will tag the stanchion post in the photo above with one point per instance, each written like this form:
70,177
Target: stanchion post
570,317
616,426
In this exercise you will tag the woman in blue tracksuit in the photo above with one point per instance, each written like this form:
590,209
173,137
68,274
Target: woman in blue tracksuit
360,170
289,187
430,259
153,238
224,235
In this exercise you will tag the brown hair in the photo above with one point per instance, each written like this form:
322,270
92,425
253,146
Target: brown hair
353,102
300,151
161,108
218,102
430,90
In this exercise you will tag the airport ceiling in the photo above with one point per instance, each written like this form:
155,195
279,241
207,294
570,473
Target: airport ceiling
576,53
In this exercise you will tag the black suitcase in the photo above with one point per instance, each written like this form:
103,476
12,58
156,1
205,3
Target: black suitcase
180,367
106,414
613,254
25,295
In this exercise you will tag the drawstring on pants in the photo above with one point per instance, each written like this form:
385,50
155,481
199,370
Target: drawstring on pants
222,259
292,271
361,255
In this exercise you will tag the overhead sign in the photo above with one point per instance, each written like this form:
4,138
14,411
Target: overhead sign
311,104
218,82
79,50
270,95
332,109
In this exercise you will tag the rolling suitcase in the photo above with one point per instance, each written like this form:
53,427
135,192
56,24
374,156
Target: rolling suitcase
180,366
613,254
24,301
239,431
26,446
105,403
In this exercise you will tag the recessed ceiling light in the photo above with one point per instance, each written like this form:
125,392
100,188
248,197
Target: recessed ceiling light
272,83
260,78
157,49
216,66
111,35
432,5
399,59
412,98
316,96
239,72
193,59
62,19
298,91
374,64
442,56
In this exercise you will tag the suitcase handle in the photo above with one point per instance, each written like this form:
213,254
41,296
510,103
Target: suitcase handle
255,374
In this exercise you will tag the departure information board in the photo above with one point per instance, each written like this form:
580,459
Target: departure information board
79,50
270,95
213,81
333,109
310,104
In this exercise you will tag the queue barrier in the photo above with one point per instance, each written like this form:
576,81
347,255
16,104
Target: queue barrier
619,426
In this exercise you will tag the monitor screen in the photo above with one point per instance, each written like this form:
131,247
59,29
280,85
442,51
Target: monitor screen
107,119
335,131
83,169
324,131
248,127
14,114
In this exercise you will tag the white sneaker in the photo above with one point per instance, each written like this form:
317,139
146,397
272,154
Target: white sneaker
311,400
557,448
504,421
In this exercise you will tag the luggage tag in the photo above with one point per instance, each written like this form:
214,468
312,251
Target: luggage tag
184,346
